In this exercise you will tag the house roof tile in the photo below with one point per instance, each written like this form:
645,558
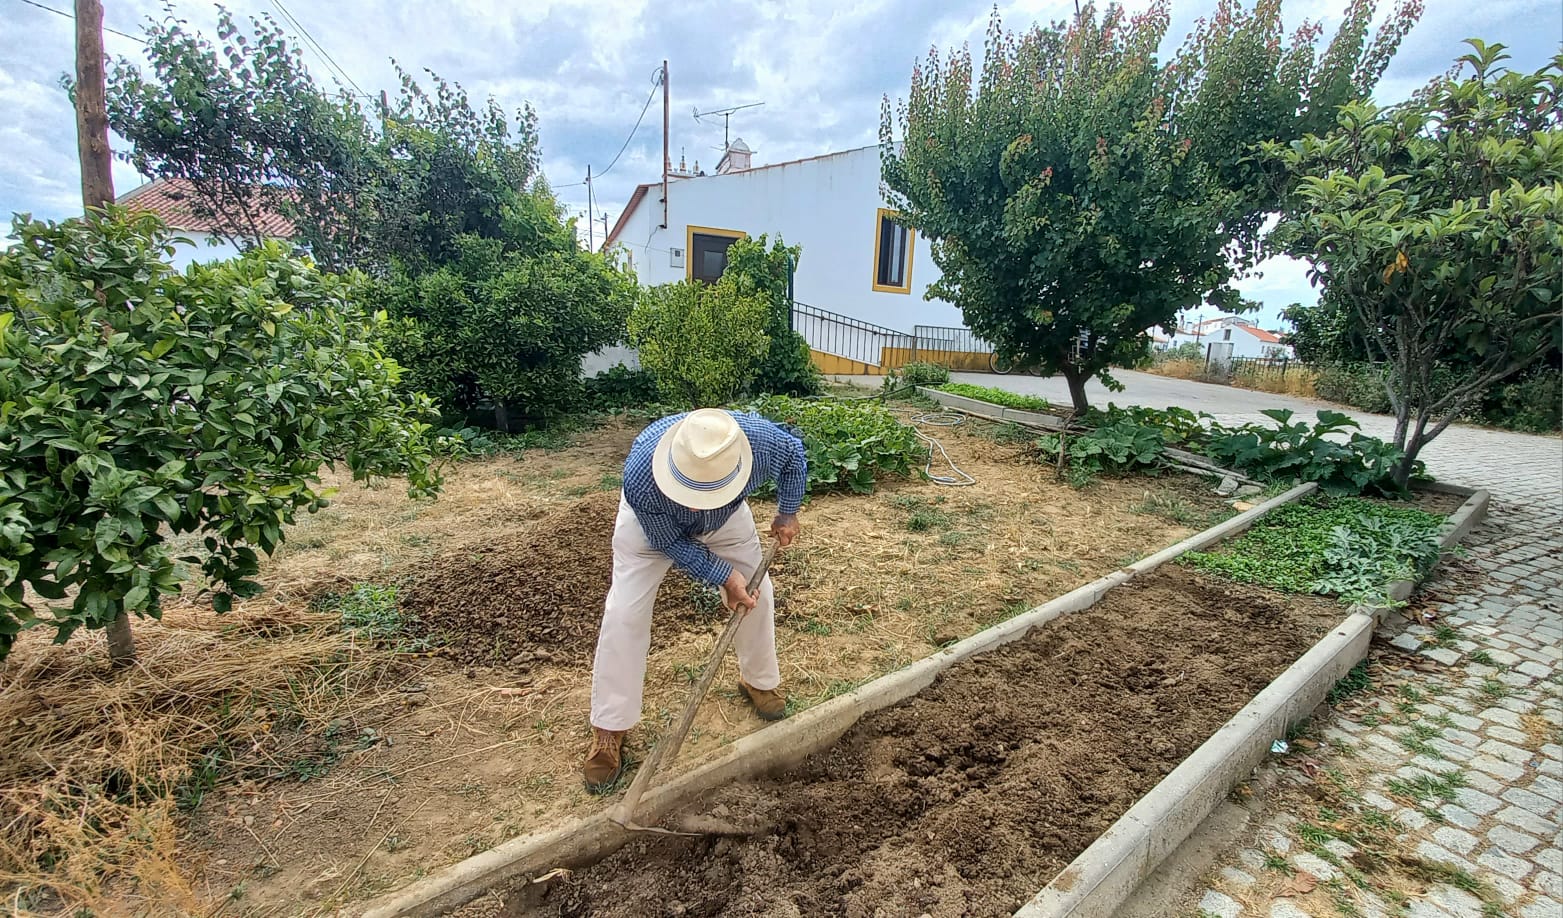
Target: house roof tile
172,200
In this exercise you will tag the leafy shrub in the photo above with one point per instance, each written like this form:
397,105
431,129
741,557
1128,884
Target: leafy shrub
1187,351
1001,397
1298,451
703,343
1357,385
851,445
787,368
1119,446
503,327
917,374
620,387
1178,426
1534,405
1347,546
138,404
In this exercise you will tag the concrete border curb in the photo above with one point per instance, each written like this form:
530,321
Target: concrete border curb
990,410
1104,875
774,748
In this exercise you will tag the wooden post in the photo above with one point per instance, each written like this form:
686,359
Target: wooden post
97,191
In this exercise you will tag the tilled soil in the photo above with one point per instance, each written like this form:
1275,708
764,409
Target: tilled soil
537,594
973,795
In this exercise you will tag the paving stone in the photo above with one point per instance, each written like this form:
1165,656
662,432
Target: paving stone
1550,858
1285,909
1450,751
1220,904
1509,735
1276,841
1484,782
1548,787
1510,891
1425,909
1412,819
1238,878
1477,801
1465,721
1510,840
1542,908
1443,655
1315,865
1340,849
1501,717
1525,820
1455,901
1378,801
1504,771
1431,852
1456,840
1406,641
1498,749
1532,668
1252,858
1526,800
1436,766
1549,883
1516,705
1508,865
1460,816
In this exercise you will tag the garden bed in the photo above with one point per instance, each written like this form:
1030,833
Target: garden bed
340,764
970,796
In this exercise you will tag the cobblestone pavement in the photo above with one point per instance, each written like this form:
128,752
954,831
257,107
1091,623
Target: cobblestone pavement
1437,789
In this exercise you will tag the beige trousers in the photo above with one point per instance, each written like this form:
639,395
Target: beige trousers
619,671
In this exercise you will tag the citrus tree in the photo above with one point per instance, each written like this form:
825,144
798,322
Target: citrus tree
703,343
787,368
138,405
1437,227
1077,192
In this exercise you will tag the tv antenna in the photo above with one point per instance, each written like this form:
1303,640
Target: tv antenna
727,117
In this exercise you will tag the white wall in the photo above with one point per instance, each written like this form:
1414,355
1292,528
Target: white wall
828,204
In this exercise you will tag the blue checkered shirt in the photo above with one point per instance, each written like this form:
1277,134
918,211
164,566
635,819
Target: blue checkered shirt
671,528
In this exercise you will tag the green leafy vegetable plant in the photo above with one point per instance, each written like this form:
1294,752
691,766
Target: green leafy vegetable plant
851,445
994,396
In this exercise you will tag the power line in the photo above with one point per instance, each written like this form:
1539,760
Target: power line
643,109
71,16
324,54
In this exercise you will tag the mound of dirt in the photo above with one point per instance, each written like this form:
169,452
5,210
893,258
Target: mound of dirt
968,798
536,595
532,594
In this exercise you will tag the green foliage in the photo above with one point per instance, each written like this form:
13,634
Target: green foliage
1304,452
1188,350
501,326
1077,193
243,122
1177,426
702,342
619,387
1119,446
1438,224
1533,404
917,374
1002,397
851,445
1350,547
1355,384
787,368
138,404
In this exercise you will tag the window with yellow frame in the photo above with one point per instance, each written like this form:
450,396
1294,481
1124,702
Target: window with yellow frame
706,252
892,254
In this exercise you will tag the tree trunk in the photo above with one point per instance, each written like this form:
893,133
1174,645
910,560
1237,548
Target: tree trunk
501,417
92,119
97,190
1076,381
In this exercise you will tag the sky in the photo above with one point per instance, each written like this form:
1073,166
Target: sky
820,67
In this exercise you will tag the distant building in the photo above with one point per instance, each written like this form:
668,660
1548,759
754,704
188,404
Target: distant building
861,278
1247,339
172,200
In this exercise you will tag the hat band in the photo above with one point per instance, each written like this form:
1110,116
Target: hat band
694,485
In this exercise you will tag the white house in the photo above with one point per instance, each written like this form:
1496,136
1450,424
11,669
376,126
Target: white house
861,278
1246,338
171,200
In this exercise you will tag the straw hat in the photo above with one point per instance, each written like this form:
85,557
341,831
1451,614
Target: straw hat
703,461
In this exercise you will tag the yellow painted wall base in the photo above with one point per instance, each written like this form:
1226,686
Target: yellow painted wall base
968,361
833,365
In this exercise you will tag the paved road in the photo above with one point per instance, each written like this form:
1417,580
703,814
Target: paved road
1531,466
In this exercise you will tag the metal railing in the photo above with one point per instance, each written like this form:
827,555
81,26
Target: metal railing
949,338
844,336
1258,367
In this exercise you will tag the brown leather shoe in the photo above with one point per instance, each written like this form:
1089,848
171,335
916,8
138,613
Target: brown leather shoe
604,763
770,704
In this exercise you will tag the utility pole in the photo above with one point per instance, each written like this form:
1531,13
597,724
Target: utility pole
604,219
97,192
666,163
591,224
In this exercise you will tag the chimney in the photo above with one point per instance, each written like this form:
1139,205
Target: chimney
736,159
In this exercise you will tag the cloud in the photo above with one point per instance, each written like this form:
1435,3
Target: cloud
820,66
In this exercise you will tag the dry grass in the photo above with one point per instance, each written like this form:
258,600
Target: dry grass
1298,381
94,763
230,716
